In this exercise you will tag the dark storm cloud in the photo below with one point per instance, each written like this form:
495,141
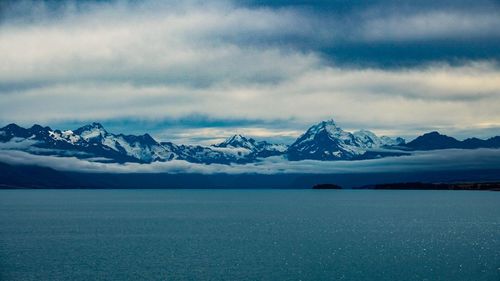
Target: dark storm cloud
389,33
382,33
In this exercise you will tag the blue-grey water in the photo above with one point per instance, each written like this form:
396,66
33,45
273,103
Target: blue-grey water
249,235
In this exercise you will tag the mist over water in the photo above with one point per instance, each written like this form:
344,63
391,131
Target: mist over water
249,235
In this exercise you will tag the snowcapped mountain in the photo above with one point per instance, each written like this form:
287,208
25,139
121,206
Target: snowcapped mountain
238,141
235,149
368,139
93,142
90,141
243,146
327,141
392,142
45,141
143,147
237,145
323,141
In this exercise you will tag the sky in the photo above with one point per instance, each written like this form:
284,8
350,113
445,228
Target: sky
200,71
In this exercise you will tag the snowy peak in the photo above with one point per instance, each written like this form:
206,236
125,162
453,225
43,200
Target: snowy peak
238,141
145,139
143,147
91,127
325,129
93,132
248,148
324,141
336,132
367,139
327,141
327,126
391,142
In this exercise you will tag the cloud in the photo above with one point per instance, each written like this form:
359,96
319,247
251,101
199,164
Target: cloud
186,44
443,160
439,96
157,60
426,25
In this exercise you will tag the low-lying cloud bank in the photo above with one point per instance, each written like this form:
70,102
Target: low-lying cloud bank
441,160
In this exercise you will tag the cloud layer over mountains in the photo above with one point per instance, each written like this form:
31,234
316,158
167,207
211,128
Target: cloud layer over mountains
446,160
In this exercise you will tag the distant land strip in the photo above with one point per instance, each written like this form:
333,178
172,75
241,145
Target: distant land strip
492,186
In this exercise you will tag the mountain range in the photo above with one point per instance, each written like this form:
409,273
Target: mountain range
323,141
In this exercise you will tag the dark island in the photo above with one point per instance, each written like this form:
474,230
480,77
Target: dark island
327,186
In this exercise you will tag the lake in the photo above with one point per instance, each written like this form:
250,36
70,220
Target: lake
249,235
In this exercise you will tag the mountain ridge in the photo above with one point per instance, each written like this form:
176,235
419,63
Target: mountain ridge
324,141
434,140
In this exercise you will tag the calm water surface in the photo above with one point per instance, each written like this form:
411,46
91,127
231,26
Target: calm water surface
249,235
